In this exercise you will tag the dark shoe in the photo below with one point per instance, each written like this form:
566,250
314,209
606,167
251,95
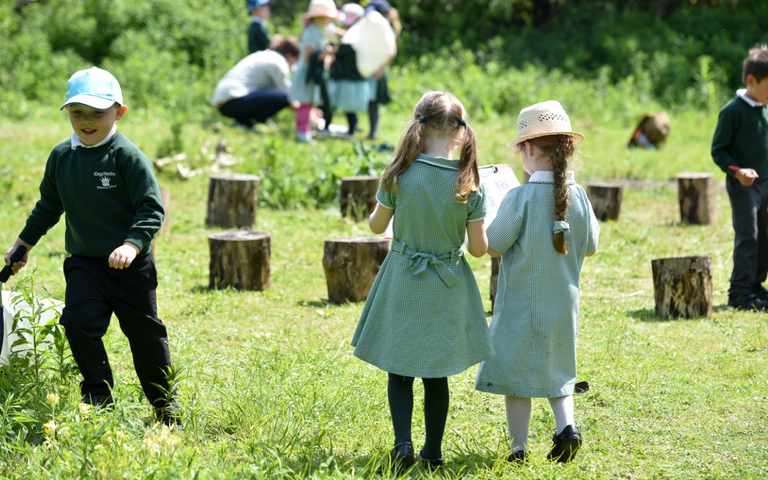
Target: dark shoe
761,292
518,457
102,401
748,301
169,416
430,463
567,443
401,457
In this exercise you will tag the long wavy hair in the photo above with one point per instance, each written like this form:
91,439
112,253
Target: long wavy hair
558,148
441,113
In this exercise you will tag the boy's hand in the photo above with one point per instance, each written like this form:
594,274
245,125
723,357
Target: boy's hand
20,264
123,256
746,176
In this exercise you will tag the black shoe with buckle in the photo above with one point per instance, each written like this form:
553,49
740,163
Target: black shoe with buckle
518,457
401,457
747,301
430,463
567,443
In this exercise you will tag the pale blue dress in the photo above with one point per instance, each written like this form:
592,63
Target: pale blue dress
350,95
302,90
424,316
536,314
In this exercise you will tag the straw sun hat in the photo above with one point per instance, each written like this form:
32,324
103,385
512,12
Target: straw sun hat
542,119
323,8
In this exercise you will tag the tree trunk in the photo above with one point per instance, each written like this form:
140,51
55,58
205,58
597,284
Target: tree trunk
696,192
495,261
233,200
358,196
239,259
606,200
683,287
351,265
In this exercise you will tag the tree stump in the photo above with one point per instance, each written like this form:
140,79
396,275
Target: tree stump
232,200
683,286
358,196
165,228
606,200
495,261
239,259
351,265
655,127
696,192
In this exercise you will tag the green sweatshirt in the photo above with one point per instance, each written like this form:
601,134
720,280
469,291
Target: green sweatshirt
109,194
741,137
258,37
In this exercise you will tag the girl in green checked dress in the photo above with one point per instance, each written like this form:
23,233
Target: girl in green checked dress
424,316
542,231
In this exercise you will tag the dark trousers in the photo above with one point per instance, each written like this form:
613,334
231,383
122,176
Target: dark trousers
256,107
750,224
94,292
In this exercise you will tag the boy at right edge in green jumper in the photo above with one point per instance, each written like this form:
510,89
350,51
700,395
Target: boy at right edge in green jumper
740,149
107,188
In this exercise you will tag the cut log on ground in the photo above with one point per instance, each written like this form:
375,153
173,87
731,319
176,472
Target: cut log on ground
165,228
351,265
240,260
495,261
683,287
696,192
233,200
358,196
606,200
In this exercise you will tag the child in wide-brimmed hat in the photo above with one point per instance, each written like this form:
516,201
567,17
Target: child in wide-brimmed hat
304,88
543,231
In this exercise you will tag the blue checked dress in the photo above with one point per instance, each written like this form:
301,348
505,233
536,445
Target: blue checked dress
536,313
424,316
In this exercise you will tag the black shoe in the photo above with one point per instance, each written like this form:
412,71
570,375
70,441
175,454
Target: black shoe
430,463
401,457
748,301
761,292
169,416
518,457
102,401
567,443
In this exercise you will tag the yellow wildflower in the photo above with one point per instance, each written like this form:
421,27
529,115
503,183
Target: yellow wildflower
52,399
84,408
50,428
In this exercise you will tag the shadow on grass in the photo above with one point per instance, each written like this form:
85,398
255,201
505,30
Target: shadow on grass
649,315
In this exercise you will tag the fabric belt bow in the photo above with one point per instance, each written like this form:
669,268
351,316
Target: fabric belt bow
420,261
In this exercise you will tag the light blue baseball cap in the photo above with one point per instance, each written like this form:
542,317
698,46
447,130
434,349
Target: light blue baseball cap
254,4
95,88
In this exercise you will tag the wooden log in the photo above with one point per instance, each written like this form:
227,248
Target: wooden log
358,196
655,127
696,193
240,260
351,265
165,228
232,200
495,261
683,286
606,200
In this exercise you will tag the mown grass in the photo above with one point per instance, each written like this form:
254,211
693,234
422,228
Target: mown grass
270,387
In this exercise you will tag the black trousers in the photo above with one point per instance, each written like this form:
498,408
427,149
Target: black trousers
750,224
256,107
95,291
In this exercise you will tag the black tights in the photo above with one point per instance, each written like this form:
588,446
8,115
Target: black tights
436,398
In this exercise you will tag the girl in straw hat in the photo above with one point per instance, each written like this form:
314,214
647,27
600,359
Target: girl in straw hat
543,231
424,316
303,90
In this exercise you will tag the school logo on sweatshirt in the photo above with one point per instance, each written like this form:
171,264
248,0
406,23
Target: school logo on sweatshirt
105,180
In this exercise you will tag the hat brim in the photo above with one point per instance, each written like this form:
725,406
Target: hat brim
96,103
517,141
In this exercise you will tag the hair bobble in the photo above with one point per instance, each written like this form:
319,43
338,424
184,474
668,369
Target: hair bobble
422,119
463,122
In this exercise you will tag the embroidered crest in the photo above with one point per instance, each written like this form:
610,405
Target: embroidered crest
106,178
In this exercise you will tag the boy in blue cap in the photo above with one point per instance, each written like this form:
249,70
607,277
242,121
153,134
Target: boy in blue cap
258,34
107,188
740,149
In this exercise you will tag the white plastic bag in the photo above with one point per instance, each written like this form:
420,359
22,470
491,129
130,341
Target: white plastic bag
374,42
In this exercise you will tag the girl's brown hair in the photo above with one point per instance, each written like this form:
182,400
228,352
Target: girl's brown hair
558,148
443,113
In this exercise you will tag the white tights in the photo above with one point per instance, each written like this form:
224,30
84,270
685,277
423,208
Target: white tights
519,417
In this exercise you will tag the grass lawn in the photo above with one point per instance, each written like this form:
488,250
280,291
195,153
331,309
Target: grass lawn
270,387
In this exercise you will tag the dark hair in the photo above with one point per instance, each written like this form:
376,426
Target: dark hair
558,148
289,46
443,112
756,63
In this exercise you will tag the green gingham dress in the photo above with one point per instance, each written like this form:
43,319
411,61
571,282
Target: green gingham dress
424,316
536,313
